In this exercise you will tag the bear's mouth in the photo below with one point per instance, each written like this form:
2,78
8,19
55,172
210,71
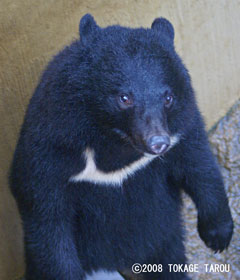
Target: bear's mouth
124,136
140,146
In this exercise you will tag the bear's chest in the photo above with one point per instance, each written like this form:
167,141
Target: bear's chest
131,216
110,171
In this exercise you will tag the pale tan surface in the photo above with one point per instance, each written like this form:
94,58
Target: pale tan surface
207,36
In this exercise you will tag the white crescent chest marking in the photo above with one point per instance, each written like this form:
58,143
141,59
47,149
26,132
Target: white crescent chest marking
101,274
93,175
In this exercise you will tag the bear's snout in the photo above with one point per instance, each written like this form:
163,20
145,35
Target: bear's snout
158,144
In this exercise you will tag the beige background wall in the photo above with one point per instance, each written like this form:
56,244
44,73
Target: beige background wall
207,37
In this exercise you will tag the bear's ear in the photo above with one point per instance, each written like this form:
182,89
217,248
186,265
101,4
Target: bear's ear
87,28
165,26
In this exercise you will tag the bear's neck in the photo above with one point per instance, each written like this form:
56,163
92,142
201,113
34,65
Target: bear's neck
93,173
113,153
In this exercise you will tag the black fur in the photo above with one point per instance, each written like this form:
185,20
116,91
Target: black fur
74,228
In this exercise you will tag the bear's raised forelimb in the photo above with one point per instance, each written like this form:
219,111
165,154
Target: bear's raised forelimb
203,182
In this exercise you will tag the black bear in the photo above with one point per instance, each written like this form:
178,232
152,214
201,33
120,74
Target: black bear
111,136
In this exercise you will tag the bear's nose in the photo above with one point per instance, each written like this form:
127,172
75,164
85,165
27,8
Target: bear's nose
159,144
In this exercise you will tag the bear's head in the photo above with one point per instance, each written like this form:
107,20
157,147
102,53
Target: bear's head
136,85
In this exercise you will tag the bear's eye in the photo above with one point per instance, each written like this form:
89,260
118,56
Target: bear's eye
168,100
125,99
